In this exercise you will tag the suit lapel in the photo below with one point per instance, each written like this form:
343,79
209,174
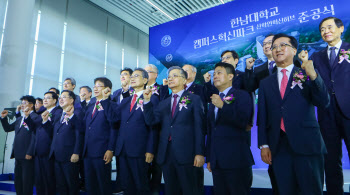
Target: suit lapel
275,86
134,107
177,105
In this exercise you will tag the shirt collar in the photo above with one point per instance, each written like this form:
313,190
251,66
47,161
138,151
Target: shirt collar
189,85
337,46
139,93
226,90
289,68
179,93
49,110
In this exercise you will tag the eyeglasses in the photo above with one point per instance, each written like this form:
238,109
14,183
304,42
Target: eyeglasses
98,86
25,103
174,76
67,83
135,76
267,43
225,57
282,46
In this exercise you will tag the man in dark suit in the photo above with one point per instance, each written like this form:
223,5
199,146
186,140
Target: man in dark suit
228,115
288,133
136,142
334,120
99,143
181,139
23,145
119,94
44,166
66,144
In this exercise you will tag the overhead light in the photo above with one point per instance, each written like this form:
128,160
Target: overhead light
222,1
159,9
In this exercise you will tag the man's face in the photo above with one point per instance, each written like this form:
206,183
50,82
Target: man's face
98,88
190,74
221,77
152,74
26,104
267,45
330,32
283,52
65,100
86,92
137,80
176,79
125,77
38,104
227,58
67,85
49,101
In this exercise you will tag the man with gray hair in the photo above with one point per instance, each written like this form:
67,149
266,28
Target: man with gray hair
70,84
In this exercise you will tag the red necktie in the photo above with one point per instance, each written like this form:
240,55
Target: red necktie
284,83
97,102
174,105
133,102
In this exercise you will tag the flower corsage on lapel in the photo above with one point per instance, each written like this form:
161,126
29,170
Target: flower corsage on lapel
65,119
155,90
298,79
344,55
228,99
25,126
139,104
131,92
183,102
99,107
50,116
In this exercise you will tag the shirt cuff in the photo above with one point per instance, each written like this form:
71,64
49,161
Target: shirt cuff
263,146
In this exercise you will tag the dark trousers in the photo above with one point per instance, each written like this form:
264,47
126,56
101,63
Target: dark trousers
232,181
273,180
67,178
97,176
295,173
118,179
81,173
155,176
178,177
134,176
24,176
334,128
45,181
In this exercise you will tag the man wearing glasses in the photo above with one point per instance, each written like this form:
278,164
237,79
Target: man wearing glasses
100,138
181,139
288,133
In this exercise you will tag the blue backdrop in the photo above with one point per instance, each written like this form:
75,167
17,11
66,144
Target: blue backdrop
199,39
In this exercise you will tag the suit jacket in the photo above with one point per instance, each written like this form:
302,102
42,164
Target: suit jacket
298,111
227,133
23,143
116,95
99,133
336,78
67,138
135,137
185,128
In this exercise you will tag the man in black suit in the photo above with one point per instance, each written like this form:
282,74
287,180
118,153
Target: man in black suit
23,145
181,139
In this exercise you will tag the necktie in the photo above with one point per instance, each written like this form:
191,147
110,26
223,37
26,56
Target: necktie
174,105
284,83
332,56
222,95
62,117
133,102
271,66
97,102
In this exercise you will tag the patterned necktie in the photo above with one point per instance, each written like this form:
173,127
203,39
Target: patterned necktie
133,101
284,83
332,56
174,105
271,66
97,102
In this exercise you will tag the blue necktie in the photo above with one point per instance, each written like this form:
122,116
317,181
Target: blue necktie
332,56
271,66
222,95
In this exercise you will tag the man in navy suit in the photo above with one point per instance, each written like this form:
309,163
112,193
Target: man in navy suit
181,139
288,133
23,145
228,115
99,143
44,166
334,120
136,142
66,144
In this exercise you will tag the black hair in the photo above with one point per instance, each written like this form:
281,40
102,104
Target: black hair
70,93
57,90
269,35
53,95
126,69
29,99
39,99
292,40
337,22
233,52
106,82
87,88
228,67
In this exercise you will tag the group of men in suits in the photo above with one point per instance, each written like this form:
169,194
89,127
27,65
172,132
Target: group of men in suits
152,131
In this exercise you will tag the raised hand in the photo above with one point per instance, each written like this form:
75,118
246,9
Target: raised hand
4,113
249,62
45,116
217,101
69,110
303,56
106,93
165,82
207,77
147,93
308,66
19,107
82,96
26,111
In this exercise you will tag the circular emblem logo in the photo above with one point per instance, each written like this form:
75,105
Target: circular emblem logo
166,40
169,57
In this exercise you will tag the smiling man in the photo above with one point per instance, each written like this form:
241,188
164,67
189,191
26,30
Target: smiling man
335,120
